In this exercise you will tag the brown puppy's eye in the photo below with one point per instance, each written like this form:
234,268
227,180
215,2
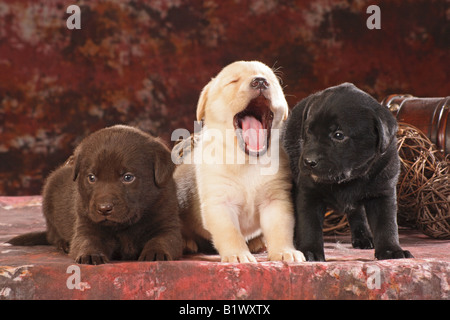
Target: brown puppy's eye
338,135
128,178
91,178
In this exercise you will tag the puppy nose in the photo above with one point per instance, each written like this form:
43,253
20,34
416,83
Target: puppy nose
312,163
259,83
105,209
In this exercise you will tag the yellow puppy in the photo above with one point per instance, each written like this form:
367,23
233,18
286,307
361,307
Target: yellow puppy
236,183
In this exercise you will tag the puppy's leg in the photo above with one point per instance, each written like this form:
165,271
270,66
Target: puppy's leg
382,215
361,235
257,244
277,223
54,238
90,246
164,247
189,245
84,251
308,227
223,224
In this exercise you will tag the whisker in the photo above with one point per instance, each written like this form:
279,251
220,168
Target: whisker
278,73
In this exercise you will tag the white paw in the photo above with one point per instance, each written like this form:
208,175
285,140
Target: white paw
288,255
242,257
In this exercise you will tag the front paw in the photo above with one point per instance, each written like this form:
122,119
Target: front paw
155,254
288,255
242,257
63,245
92,258
362,239
190,246
314,255
257,245
393,254
362,243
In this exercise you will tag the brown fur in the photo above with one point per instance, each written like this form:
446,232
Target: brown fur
112,218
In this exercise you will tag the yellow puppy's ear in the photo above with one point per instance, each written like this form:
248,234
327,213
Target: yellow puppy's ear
202,102
286,113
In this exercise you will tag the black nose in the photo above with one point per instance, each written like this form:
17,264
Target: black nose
259,83
312,163
105,208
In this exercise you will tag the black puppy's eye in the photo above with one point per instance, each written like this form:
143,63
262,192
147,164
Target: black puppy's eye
128,178
338,135
91,178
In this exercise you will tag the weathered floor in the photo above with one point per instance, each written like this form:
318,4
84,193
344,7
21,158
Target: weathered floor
43,273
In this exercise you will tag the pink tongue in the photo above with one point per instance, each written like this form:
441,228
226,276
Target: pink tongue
253,133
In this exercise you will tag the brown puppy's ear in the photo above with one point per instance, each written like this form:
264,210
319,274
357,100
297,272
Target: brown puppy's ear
162,163
75,161
202,101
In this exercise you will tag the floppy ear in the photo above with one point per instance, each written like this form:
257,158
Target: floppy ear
304,107
286,113
202,101
74,160
162,163
386,127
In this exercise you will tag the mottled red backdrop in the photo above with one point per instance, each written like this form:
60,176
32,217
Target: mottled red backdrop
144,63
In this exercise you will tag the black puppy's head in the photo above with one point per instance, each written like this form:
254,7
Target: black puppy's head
344,130
120,173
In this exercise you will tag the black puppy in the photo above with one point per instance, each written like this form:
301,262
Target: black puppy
114,199
343,155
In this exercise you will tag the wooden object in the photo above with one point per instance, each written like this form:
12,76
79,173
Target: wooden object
430,115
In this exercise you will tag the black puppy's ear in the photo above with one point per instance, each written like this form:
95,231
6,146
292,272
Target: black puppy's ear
305,104
386,126
163,164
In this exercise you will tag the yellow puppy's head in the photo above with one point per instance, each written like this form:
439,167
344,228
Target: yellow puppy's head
245,96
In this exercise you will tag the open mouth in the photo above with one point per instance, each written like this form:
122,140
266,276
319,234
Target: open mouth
252,126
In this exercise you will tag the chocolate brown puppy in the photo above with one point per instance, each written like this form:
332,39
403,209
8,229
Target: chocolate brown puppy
114,200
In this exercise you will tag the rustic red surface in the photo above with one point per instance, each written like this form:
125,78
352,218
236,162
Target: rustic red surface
144,63
41,272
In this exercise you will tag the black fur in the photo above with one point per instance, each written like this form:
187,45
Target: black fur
343,155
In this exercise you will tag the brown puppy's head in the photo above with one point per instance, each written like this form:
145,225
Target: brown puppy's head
120,173
245,96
